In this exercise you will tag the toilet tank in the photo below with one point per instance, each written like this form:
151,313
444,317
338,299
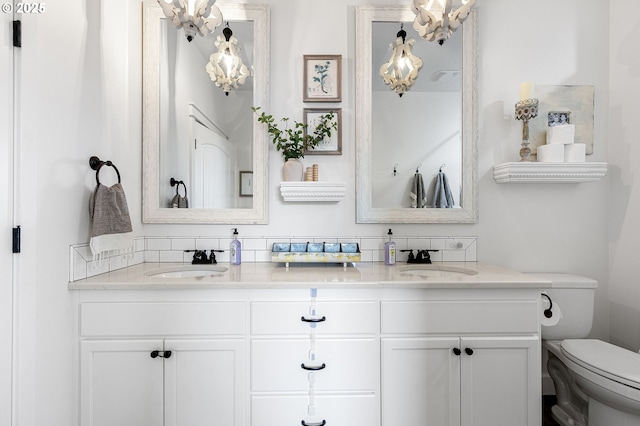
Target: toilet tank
575,296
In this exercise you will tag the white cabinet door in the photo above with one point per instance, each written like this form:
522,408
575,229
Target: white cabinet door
205,382
120,383
500,379
420,381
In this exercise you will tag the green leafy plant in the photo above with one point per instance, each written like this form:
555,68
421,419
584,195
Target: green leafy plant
293,142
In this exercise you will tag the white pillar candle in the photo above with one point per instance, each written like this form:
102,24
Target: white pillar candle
527,91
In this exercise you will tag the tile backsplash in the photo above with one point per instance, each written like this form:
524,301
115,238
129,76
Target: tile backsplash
255,249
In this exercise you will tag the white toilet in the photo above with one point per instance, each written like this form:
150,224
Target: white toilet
597,383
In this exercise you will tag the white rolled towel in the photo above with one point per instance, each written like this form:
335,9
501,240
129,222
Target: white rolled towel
551,153
575,153
563,134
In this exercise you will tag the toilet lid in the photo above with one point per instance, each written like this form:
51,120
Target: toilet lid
605,359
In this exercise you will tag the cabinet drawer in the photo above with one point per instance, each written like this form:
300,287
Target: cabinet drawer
340,317
455,317
351,364
162,319
347,410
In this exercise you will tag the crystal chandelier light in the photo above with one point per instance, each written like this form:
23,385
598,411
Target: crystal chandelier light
402,69
225,66
435,19
195,16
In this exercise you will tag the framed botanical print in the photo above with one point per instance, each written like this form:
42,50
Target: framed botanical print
330,145
322,78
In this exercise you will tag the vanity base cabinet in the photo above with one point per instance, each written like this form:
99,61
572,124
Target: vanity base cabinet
162,363
199,382
474,362
315,362
468,381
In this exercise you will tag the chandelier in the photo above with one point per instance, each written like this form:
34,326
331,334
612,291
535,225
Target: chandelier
402,69
435,19
195,16
225,66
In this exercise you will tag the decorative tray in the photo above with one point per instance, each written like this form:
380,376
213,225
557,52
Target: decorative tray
315,253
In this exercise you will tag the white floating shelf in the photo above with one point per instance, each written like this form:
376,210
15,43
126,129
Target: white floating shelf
313,191
534,172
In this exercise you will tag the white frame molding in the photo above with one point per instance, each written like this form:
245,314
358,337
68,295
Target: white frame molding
365,212
151,210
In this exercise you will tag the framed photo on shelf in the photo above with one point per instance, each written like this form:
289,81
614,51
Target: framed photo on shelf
246,184
322,78
329,146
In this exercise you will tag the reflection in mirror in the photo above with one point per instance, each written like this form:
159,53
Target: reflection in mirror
430,128
193,131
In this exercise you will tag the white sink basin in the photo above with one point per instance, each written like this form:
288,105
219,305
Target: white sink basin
437,271
187,271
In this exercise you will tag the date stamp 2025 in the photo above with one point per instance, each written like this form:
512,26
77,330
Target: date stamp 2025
23,8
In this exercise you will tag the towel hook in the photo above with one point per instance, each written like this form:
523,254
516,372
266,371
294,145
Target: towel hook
96,164
395,169
442,167
418,168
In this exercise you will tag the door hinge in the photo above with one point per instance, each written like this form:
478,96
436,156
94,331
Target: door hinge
17,34
16,239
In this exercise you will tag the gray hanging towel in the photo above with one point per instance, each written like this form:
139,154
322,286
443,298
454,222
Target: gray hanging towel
178,201
418,193
111,231
442,197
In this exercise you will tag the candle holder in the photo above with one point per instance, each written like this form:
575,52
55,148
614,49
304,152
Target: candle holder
526,109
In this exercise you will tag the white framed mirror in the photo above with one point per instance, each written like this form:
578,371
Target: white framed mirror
193,132
395,136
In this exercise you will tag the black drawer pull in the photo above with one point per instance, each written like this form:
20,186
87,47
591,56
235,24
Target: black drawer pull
313,368
324,422
457,351
161,354
468,351
303,319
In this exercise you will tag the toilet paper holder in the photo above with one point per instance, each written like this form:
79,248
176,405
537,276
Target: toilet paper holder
548,313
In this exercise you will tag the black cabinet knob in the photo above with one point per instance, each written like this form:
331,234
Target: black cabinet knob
468,351
457,351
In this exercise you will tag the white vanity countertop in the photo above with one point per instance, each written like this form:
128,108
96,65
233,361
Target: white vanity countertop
274,275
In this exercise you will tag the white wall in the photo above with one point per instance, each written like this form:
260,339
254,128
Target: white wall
81,87
624,152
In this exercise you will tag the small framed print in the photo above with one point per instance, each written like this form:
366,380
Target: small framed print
246,184
558,118
322,78
331,145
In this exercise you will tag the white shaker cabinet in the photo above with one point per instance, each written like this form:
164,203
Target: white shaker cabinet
451,381
486,374
128,378
314,362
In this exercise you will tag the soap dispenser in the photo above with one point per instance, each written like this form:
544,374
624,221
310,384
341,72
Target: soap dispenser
390,250
236,248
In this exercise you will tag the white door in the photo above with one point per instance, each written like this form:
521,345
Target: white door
420,382
501,381
121,384
6,220
205,382
213,166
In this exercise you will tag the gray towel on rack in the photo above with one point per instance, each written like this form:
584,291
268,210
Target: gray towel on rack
442,197
418,193
111,231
